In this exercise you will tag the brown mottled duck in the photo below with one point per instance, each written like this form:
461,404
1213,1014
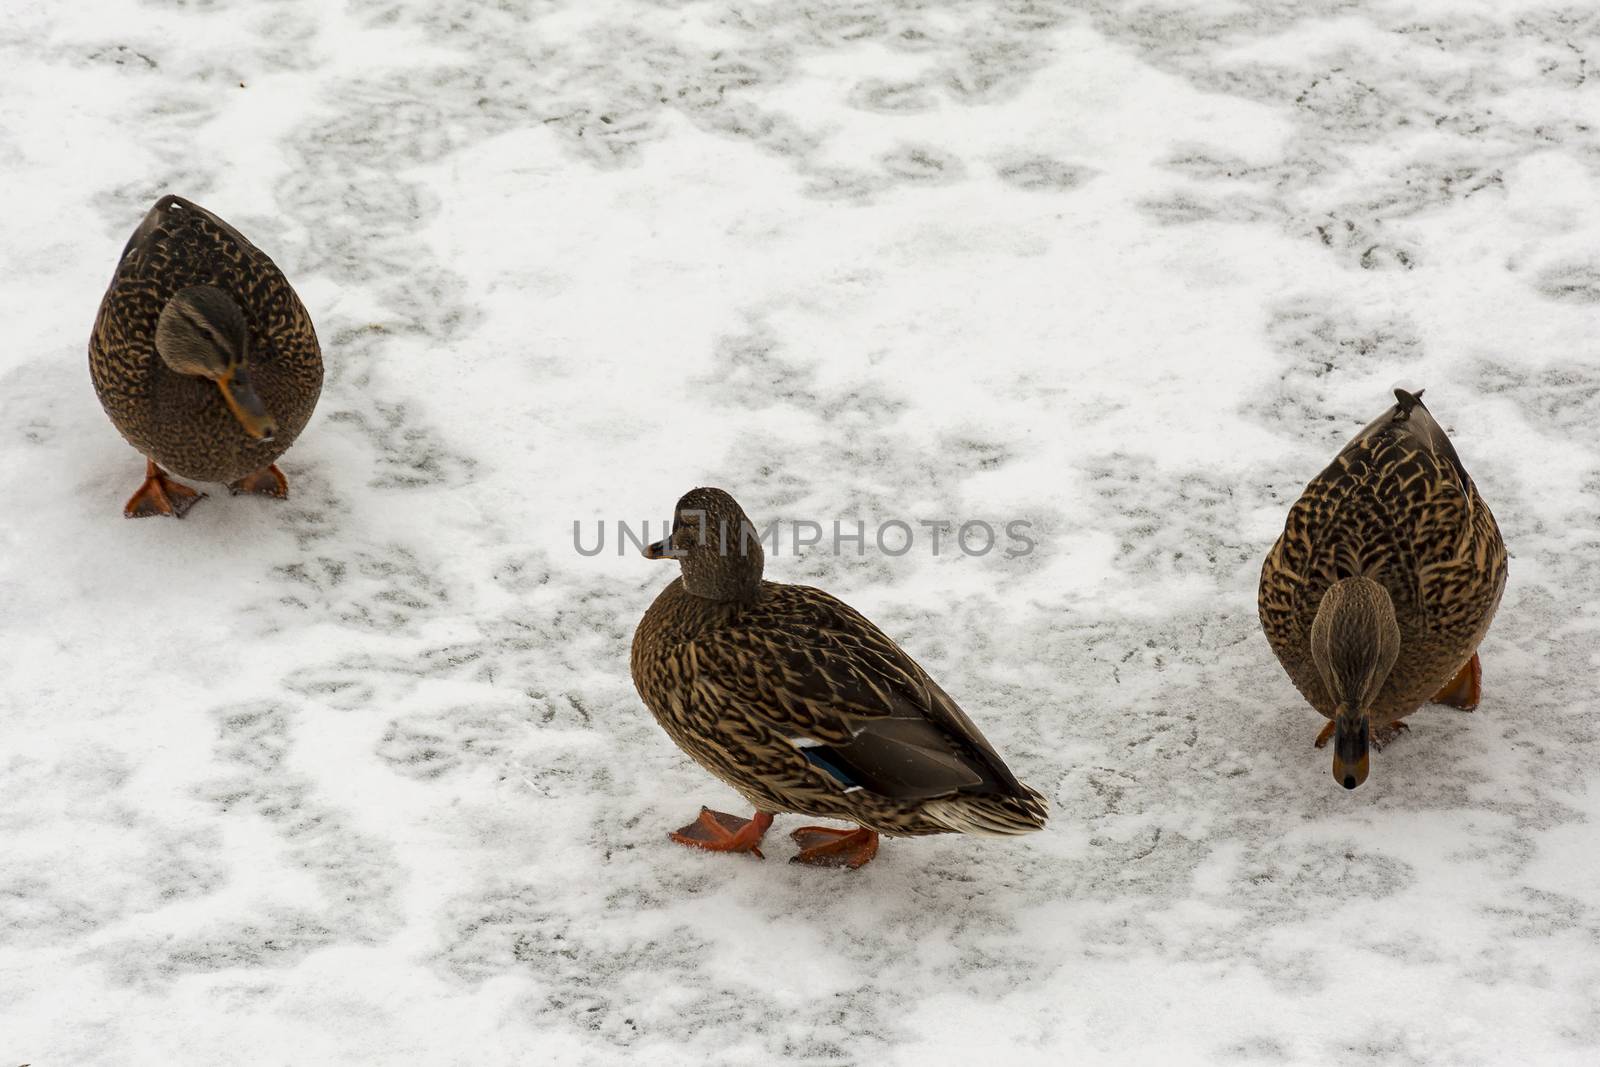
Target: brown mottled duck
799,703
1383,584
203,357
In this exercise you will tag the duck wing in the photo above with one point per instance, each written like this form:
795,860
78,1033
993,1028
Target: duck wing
1411,424
806,668
175,226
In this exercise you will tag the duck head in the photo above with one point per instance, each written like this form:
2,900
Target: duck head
203,333
1354,642
716,545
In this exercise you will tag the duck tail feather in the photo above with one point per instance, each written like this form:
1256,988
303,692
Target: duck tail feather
991,816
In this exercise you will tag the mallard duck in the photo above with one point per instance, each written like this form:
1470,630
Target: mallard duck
203,357
794,699
1385,580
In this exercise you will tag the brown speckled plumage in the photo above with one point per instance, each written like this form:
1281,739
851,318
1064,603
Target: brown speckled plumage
801,704
1398,507
179,420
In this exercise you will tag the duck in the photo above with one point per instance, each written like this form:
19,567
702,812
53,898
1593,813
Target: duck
802,705
1383,584
204,359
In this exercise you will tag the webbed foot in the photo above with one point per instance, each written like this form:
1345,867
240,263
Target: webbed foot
827,846
268,481
160,495
1464,690
1385,735
717,831
1324,737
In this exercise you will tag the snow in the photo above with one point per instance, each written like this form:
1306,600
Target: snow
361,777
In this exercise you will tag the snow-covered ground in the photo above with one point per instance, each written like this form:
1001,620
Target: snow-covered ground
361,777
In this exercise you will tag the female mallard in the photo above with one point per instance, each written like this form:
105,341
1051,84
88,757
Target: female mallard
1386,577
799,703
204,358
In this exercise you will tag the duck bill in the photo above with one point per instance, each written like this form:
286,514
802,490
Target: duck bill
242,399
1350,748
658,550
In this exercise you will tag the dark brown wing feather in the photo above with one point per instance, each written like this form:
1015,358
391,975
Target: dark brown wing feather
173,215
824,676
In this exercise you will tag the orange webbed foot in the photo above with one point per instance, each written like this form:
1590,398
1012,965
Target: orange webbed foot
160,495
717,831
1324,737
1385,735
827,846
268,481
1465,689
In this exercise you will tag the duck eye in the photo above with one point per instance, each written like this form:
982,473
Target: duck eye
689,528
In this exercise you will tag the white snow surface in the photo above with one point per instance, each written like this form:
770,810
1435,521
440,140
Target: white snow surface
361,778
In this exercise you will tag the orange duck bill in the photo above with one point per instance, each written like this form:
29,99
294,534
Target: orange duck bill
240,394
